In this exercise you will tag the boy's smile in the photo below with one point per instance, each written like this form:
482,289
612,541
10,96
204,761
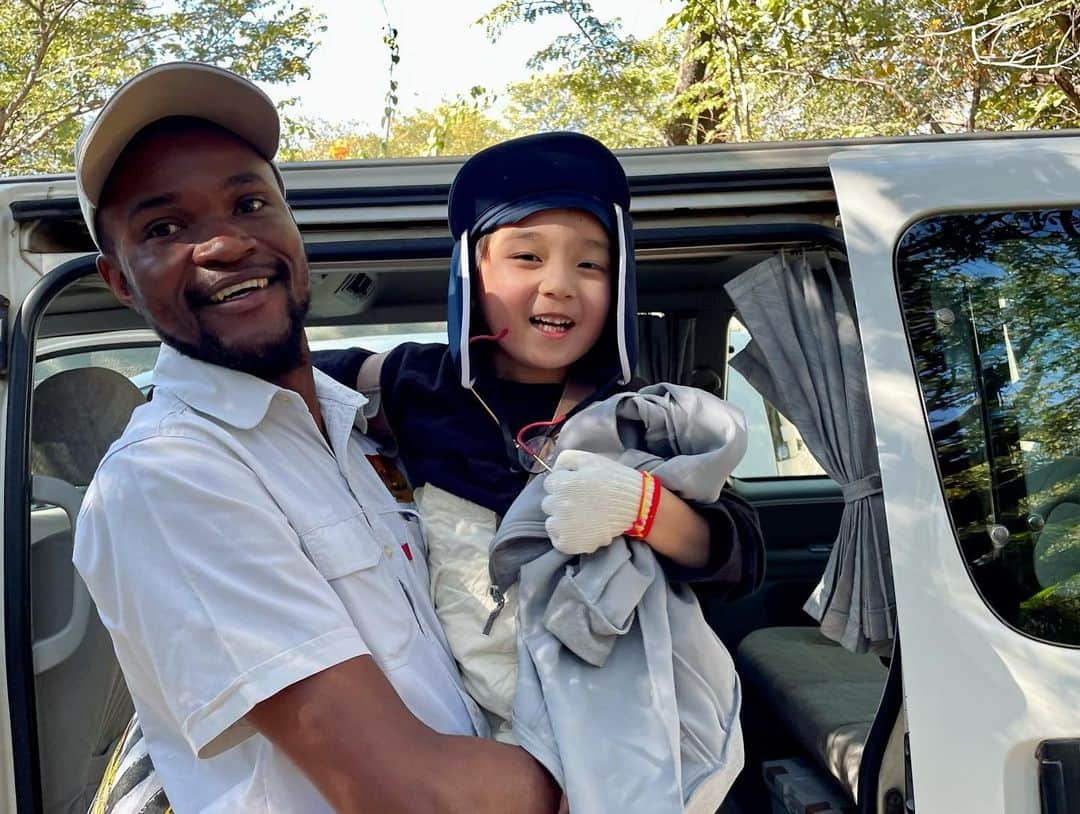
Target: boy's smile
546,281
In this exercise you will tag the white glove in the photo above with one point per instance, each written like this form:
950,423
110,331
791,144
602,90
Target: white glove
590,501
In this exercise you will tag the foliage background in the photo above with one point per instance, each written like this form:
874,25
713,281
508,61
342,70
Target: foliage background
717,71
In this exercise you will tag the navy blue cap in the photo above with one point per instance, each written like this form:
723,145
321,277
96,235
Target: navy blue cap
534,166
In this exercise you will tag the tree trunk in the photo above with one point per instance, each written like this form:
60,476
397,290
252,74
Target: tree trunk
688,127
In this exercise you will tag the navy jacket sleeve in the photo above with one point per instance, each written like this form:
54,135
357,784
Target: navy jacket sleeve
736,565
341,365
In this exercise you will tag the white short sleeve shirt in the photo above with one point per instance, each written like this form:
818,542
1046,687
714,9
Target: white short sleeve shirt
232,552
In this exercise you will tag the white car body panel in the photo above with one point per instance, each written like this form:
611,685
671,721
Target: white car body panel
979,695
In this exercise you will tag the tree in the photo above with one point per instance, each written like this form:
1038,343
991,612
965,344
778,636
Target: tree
458,126
1036,44
745,70
625,105
592,80
60,59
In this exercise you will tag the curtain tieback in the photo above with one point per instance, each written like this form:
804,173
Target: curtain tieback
863,487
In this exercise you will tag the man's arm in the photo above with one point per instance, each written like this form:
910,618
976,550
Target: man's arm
178,529
348,731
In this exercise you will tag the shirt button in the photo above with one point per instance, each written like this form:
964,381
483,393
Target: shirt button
388,550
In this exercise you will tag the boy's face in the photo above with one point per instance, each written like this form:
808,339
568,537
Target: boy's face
546,281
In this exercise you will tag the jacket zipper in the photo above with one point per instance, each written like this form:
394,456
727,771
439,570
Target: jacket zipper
500,602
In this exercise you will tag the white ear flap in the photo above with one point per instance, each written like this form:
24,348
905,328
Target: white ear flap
620,314
465,273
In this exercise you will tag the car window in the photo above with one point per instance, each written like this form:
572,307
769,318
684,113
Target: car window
991,303
376,337
135,362
775,449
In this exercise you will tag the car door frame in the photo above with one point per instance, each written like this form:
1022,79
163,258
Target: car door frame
970,750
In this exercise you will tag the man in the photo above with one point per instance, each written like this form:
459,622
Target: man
267,600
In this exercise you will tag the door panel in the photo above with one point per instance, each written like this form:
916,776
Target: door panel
979,694
799,520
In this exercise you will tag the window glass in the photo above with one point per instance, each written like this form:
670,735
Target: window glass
377,338
775,449
992,306
137,362
134,362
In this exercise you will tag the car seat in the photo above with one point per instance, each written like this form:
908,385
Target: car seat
83,704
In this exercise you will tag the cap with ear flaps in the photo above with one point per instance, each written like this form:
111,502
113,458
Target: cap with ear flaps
505,184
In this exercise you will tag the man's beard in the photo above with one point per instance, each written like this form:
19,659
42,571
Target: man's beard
268,361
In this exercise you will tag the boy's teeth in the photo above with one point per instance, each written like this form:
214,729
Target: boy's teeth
228,291
554,323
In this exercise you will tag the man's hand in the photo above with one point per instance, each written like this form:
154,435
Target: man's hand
590,501
349,732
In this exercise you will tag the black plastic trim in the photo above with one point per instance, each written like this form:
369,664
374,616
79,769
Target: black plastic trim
877,739
344,251
49,209
348,197
1059,775
18,635
706,182
750,233
436,194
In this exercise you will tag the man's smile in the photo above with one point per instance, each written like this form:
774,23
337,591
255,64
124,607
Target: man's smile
239,289
238,285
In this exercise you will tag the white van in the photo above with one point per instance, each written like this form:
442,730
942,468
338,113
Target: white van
962,257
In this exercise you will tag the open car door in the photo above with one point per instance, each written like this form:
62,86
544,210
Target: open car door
965,262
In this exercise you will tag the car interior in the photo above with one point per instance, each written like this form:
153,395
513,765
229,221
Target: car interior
813,711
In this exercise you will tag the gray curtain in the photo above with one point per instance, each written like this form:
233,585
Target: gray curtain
665,348
805,357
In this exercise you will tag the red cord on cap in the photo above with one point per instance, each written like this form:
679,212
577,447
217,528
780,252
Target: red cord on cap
490,337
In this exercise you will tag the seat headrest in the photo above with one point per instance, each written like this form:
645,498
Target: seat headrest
76,415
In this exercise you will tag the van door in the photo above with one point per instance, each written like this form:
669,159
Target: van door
965,260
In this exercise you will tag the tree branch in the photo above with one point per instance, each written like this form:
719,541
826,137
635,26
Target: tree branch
1067,87
906,104
46,31
976,100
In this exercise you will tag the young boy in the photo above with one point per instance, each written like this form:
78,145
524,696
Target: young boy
542,312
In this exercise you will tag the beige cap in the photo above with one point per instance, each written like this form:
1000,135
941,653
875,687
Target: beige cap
172,89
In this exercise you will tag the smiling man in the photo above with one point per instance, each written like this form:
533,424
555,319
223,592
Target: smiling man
257,579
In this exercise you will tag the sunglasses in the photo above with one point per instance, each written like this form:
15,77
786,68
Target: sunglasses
532,450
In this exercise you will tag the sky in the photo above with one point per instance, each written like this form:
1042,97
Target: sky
442,52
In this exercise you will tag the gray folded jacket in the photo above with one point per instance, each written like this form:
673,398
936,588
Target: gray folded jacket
624,693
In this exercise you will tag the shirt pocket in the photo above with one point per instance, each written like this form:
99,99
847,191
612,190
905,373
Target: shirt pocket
342,547
350,557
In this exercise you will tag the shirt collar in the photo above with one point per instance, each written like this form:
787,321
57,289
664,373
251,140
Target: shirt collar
240,399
